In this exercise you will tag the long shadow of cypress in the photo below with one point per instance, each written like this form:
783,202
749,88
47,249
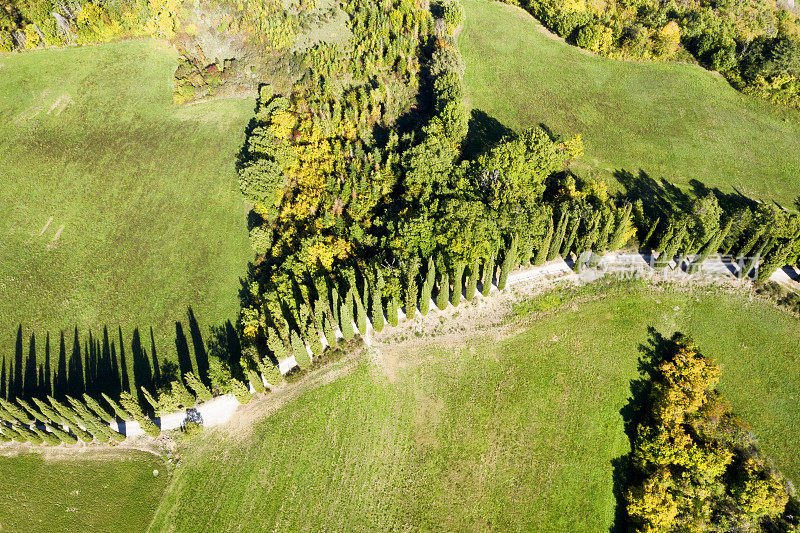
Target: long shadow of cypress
95,367
200,355
653,351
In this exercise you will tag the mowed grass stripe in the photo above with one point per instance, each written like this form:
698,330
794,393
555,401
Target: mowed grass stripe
147,218
670,120
516,434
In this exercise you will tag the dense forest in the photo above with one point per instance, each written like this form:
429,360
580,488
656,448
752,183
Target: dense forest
756,45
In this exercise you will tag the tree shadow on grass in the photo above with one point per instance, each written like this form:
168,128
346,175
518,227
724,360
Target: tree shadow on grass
654,350
483,133
99,365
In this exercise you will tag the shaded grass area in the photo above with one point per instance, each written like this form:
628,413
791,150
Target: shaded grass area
669,120
519,433
118,208
106,491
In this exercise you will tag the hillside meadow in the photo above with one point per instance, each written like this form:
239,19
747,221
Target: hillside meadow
519,431
668,120
119,209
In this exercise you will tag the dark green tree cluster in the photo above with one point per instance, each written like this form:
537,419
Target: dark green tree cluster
754,44
685,230
694,466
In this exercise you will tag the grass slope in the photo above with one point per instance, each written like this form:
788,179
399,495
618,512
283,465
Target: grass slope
106,491
670,120
516,434
146,215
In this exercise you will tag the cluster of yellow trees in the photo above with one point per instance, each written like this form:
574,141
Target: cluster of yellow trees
695,467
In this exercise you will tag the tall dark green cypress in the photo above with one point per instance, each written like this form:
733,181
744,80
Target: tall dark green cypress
488,274
377,308
509,261
444,291
571,236
712,246
472,281
558,236
544,248
622,229
412,291
458,283
673,246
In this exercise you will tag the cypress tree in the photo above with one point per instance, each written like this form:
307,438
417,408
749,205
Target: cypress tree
558,236
774,259
275,344
361,318
712,246
672,247
412,291
92,404
201,391
29,435
377,308
65,437
14,434
47,437
33,412
299,350
751,242
3,436
571,236
240,392
427,288
620,235
605,233
525,250
509,261
394,319
472,281
752,260
587,241
458,282
488,274
16,412
315,342
444,291
255,381
541,253
119,411
49,412
132,406
270,372
650,233
327,329
346,318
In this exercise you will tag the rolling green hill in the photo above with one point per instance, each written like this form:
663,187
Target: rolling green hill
483,434
118,208
669,120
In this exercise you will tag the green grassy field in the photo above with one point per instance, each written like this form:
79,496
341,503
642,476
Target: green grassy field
104,491
481,434
146,214
669,120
